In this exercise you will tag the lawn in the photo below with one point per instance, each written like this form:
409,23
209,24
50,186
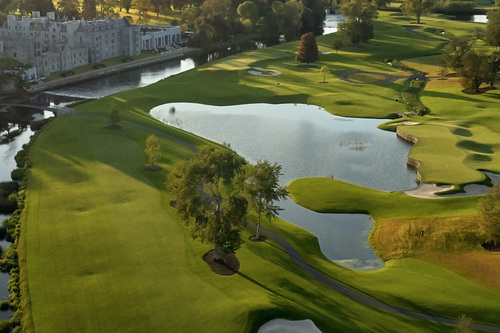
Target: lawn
118,259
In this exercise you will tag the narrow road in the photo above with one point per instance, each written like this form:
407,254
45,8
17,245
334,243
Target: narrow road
295,256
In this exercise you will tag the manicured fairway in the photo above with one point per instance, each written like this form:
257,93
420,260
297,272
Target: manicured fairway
103,251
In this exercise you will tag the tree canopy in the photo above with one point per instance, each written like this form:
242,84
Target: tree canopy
153,149
359,24
213,215
308,49
492,34
417,7
260,185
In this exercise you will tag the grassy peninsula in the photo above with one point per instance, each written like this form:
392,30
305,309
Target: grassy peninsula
102,250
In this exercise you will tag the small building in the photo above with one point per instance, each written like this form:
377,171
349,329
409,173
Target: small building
159,37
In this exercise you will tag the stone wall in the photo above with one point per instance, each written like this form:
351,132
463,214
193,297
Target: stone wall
411,161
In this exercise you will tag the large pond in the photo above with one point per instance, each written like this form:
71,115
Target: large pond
308,142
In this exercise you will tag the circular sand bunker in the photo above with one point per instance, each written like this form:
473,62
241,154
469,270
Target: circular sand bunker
259,71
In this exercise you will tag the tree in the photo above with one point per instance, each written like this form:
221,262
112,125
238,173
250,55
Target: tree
359,24
260,185
381,4
489,211
248,13
308,49
159,5
325,71
492,35
115,118
69,8
454,52
89,9
271,29
475,70
106,8
289,17
464,325
214,216
143,7
337,45
417,7
153,149
127,4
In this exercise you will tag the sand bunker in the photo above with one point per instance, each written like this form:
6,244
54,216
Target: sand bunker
289,326
259,71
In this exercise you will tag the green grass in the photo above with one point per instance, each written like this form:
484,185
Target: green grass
117,258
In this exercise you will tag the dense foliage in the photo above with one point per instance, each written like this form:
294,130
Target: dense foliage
308,49
360,16
210,212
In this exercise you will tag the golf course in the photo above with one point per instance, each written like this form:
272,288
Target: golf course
102,249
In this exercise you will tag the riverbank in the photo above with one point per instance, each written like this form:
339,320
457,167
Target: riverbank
106,71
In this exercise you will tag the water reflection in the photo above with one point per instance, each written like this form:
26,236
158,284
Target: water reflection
308,141
331,22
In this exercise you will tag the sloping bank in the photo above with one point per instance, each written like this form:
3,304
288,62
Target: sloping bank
106,71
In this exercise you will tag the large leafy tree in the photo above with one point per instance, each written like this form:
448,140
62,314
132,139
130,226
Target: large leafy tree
159,6
308,49
143,7
359,24
475,70
260,185
271,29
417,7
489,210
492,35
454,52
127,4
214,215
248,13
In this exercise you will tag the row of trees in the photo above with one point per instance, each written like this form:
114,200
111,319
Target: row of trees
214,190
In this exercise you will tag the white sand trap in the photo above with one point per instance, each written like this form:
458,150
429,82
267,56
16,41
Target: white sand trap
326,52
289,326
259,71
429,190
406,123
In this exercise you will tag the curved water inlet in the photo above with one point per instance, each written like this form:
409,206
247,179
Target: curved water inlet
309,142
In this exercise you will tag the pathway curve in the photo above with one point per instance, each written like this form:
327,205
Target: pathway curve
297,258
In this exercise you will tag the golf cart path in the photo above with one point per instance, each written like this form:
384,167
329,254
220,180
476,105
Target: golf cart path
297,258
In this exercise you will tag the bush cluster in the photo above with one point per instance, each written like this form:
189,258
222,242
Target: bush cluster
455,7
9,260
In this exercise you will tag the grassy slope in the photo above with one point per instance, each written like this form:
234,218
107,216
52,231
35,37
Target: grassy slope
420,285
117,259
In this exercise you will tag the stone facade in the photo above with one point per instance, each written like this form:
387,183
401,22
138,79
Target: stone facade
159,37
51,45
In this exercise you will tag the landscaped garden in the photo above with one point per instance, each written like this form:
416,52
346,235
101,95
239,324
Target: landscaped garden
117,258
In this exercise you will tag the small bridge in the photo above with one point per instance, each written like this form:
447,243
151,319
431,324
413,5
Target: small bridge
57,110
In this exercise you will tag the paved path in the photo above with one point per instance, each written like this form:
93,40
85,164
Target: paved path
296,257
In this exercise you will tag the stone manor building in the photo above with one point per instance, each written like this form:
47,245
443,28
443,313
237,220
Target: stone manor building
51,45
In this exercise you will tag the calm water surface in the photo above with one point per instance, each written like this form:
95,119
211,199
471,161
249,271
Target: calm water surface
308,142
331,22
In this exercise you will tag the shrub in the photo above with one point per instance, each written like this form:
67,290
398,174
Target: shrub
17,174
16,318
38,124
5,326
4,305
21,157
67,73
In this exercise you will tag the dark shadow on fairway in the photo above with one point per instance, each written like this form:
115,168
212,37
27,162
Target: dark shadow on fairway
461,96
475,146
